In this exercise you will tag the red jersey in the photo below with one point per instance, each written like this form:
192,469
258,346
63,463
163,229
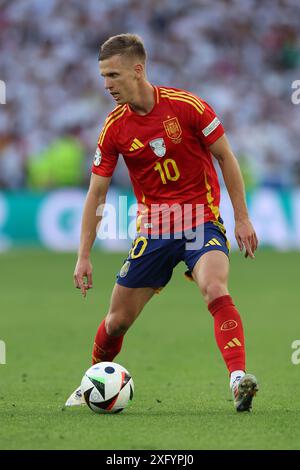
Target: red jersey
166,152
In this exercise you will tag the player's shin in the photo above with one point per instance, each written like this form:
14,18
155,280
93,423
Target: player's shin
106,347
229,332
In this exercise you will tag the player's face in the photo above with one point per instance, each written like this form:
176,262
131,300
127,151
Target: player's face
121,75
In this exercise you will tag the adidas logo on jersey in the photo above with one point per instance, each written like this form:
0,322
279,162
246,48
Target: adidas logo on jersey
136,144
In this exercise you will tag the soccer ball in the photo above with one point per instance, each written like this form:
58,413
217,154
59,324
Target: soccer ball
107,387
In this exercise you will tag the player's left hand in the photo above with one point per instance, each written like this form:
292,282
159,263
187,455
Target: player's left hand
246,237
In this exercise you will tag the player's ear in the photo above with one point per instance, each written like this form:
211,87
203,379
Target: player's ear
139,70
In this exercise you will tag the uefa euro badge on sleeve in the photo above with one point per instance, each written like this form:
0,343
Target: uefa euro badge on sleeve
158,146
97,157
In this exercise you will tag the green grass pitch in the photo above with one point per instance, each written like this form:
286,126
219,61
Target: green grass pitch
182,398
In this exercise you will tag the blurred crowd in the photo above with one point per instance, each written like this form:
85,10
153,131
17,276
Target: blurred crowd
239,55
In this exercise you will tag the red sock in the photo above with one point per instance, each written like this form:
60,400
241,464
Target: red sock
229,332
106,347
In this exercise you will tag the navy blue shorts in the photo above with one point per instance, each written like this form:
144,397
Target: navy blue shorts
151,261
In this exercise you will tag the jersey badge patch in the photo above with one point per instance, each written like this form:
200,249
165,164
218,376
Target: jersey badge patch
124,269
97,157
173,129
158,146
211,127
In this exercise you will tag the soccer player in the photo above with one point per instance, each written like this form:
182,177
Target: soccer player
167,138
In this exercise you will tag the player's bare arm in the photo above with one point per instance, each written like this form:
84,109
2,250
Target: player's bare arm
244,231
91,218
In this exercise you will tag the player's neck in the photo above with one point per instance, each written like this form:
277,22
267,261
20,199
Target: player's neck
144,101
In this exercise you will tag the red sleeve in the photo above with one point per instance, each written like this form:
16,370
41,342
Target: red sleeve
207,125
106,156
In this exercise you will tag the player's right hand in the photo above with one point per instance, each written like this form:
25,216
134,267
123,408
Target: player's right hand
83,275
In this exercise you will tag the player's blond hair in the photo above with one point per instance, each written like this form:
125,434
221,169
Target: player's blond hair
127,44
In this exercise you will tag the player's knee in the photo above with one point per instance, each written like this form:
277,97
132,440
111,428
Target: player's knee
214,289
116,325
